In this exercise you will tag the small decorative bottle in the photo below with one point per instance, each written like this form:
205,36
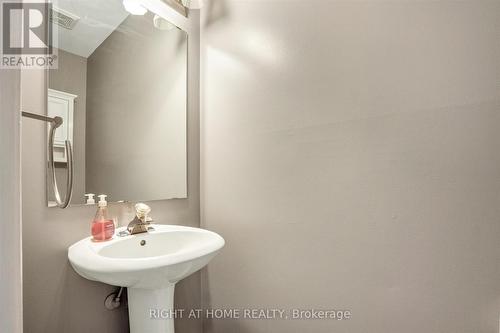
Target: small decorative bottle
103,228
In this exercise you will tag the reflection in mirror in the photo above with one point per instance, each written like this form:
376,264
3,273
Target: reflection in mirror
121,88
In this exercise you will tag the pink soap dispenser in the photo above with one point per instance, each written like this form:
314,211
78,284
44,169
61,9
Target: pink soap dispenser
103,228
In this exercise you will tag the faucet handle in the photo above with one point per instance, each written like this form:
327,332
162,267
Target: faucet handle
142,211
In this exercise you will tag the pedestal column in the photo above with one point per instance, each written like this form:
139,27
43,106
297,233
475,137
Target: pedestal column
151,310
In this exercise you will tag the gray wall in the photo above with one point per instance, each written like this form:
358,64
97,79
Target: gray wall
136,113
11,317
71,77
351,154
56,299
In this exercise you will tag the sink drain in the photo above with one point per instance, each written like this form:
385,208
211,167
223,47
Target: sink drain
143,242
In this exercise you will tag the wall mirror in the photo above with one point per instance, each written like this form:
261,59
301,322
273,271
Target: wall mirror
121,88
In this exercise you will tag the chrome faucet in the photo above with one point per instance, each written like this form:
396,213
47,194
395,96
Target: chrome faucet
141,222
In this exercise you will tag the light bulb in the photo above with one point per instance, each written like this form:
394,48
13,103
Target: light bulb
134,7
162,24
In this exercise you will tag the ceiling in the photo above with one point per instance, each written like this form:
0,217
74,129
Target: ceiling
98,19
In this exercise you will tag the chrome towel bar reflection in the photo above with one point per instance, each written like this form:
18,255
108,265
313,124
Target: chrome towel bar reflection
54,124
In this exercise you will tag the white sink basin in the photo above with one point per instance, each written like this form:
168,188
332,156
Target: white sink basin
149,264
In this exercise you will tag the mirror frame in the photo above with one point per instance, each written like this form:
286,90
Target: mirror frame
185,24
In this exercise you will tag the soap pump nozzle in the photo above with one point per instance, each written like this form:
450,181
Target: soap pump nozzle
102,200
90,198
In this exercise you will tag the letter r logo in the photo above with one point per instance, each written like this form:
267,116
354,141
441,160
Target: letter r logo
35,35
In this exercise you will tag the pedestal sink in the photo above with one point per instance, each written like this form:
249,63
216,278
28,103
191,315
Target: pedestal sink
149,265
